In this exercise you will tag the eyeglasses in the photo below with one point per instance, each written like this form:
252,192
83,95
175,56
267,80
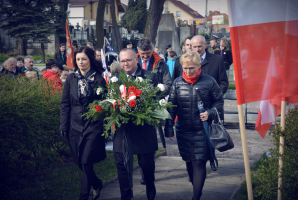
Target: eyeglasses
124,61
190,68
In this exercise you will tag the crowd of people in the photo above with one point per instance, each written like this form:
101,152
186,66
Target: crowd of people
197,68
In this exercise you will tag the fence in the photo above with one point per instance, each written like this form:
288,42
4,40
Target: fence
34,45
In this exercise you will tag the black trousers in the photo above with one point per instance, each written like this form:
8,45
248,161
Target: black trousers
88,179
147,164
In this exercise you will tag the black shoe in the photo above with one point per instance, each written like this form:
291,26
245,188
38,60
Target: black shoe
151,193
142,181
131,194
97,196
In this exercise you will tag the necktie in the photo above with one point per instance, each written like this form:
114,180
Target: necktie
144,65
202,59
221,52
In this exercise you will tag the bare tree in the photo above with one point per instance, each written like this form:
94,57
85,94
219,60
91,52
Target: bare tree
153,19
22,50
100,23
115,26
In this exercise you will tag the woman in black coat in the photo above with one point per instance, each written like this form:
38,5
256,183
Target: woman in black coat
61,55
190,133
84,136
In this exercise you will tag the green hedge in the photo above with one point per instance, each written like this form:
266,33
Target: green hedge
268,171
3,57
29,128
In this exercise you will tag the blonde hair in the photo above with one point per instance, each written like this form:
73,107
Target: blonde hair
190,57
115,67
224,40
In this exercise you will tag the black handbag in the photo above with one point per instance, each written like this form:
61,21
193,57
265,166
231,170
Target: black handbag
219,137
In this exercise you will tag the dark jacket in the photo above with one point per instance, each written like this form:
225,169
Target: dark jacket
5,71
213,66
59,58
84,136
213,49
226,55
23,69
158,66
143,139
177,69
190,134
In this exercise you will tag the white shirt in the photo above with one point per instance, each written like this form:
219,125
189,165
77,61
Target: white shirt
131,74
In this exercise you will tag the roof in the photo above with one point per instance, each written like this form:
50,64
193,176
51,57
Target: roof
186,8
83,3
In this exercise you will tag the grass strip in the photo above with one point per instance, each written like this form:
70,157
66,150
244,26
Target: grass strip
232,86
242,192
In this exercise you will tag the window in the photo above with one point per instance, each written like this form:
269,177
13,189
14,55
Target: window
167,4
178,13
106,10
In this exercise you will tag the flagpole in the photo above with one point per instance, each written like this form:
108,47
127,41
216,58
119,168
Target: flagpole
245,153
281,148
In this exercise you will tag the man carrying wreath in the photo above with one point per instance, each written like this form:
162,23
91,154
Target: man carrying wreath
138,140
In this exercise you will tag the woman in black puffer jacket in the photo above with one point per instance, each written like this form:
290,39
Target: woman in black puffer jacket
189,127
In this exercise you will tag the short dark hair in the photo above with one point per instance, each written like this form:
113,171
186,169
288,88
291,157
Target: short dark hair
62,44
145,44
75,44
172,53
129,42
213,38
94,64
20,58
169,46
50,62
188,38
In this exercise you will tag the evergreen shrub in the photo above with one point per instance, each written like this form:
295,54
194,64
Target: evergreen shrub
268,171
29,127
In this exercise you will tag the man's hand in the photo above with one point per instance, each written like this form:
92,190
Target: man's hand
171,138
63,134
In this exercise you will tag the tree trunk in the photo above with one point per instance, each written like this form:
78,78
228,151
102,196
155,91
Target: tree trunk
42,52
100,23
115,26
22,50
153,19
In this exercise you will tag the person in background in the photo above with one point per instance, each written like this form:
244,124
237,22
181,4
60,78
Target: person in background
178,67
90,45
168,48
70,71
115,67
98,54
52,73
190,134
129,46
10,66
226,54
156,50
171,62
61,55
20,63
64,75
213,45
74,46
85,139
183,49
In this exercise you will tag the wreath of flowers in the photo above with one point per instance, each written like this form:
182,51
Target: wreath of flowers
30,70
129,99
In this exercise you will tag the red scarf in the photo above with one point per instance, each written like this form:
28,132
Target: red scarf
192,79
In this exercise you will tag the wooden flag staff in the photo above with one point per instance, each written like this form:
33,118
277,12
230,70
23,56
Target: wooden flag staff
281,148
245,153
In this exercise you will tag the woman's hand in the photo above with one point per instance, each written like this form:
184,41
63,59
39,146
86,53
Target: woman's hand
204,116
171,138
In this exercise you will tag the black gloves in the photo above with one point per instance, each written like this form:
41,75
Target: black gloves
63,134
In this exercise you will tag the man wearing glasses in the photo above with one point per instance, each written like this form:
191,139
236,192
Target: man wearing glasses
141,140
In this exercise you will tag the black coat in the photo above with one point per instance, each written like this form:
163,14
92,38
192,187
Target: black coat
143,139
84,136
213,66
177,69
226,55
161,69
59,58
190,133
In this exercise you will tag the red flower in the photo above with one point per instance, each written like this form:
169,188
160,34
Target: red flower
138,93
93,106
24,74
132,103
131,89
98,108
30,69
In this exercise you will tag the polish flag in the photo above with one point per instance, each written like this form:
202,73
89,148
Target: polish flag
264,37
70,53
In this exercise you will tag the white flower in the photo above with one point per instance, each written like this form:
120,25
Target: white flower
161,87
162,102
121,88
139,79
99,90
131,98
114,79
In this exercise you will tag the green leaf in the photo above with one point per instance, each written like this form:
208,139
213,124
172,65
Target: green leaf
161,114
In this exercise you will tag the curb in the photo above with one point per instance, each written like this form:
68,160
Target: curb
112,180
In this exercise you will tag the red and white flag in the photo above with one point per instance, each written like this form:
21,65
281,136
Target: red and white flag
70,53
264,36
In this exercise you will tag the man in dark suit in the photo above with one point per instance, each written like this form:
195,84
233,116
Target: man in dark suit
211,64
9,67
141,140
